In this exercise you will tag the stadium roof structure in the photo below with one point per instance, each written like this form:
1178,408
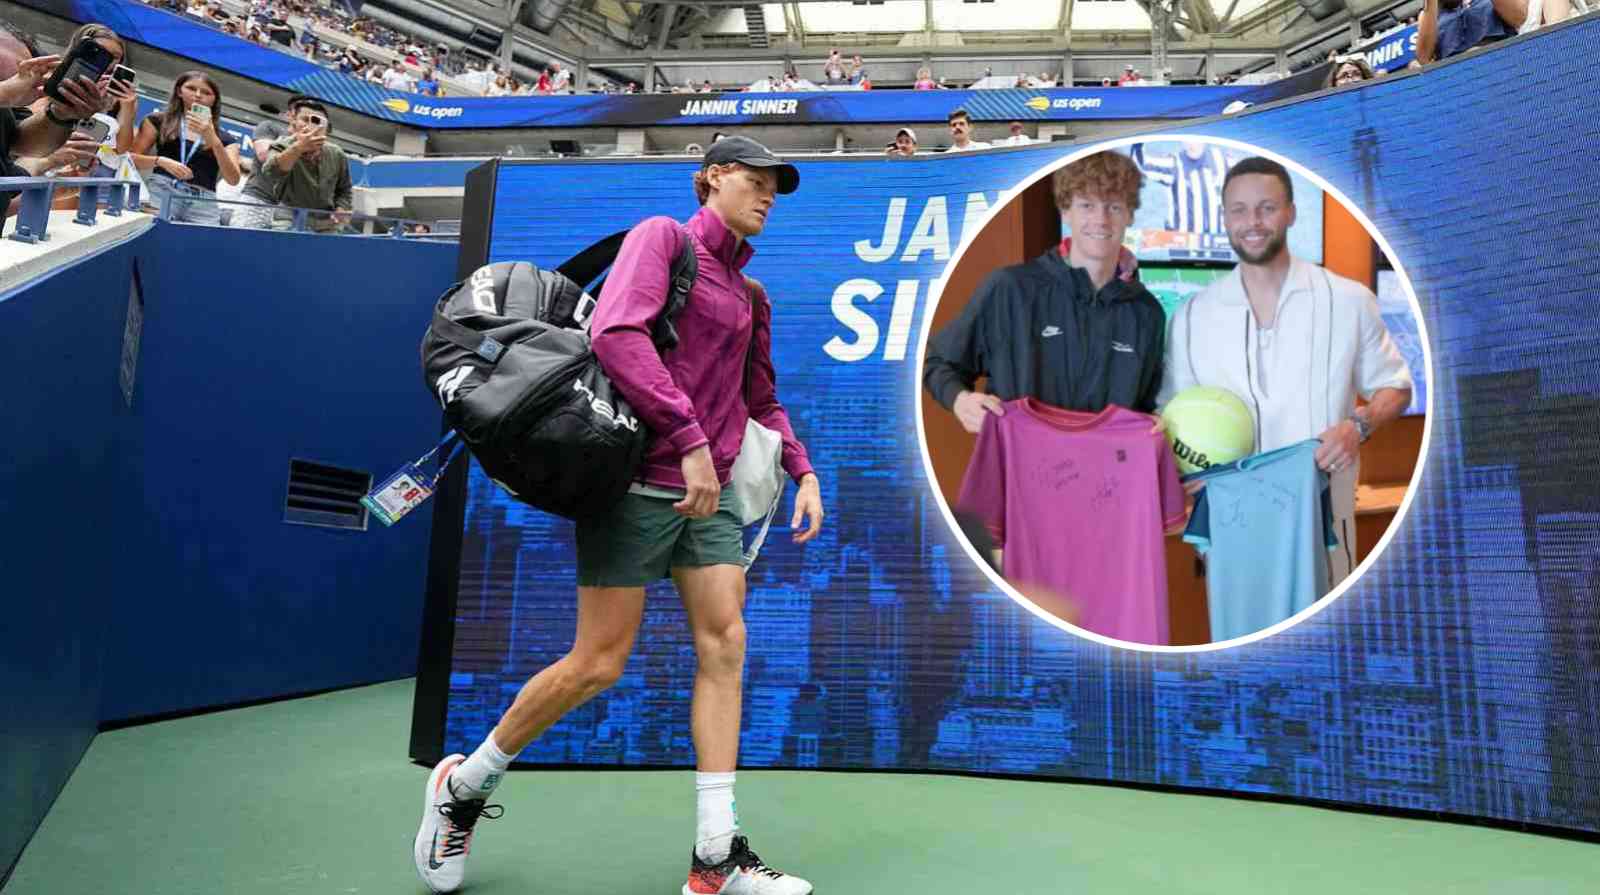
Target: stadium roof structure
739,41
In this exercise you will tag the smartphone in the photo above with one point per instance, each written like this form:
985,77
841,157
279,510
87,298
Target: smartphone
201,112
124,74
97,129
87,60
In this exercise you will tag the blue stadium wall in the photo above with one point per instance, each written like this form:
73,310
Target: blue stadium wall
1460,675
145,567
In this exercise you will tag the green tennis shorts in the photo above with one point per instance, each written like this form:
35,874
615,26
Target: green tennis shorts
642,539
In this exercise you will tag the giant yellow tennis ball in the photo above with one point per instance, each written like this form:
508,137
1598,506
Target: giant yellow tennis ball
1208,426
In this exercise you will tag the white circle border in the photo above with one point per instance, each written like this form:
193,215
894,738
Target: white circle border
937,293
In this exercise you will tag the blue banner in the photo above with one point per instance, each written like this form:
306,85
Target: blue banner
1448,678
177,34
1392,52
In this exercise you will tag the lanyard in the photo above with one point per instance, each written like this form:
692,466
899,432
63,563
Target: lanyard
185,151
449,437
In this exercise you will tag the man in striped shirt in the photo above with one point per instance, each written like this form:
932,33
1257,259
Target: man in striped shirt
1193,178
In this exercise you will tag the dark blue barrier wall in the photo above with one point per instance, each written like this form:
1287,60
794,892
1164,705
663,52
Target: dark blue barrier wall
68,473
145,566
259,347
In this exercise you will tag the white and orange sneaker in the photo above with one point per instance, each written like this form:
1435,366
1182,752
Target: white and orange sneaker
741,873
441,847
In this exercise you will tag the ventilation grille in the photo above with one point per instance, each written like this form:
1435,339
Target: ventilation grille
326,495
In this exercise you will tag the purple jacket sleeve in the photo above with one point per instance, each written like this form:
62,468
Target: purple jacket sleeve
633,297
763,394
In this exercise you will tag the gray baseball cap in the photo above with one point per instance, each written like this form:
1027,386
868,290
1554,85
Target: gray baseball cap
746,151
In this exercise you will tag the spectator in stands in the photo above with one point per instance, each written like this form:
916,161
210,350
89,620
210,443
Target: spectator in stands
500,87
269,130
961,133
45,134
706,87
429,85
904,145
230,192
278,30
1130,75
858,71
1448,27
542,86
1017,138
561,79
308,42
396,78
833,71
1350,70
303,169
256,36
375,73
191,151
925,80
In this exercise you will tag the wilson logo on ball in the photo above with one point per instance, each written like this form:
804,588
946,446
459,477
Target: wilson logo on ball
1189,455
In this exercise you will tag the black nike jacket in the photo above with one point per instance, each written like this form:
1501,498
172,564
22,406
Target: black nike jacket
1041,330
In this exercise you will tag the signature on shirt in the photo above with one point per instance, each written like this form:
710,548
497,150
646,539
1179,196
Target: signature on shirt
1106,493
1056,475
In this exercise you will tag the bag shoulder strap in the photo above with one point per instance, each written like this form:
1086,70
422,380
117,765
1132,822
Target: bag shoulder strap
757,294
586,267
680,279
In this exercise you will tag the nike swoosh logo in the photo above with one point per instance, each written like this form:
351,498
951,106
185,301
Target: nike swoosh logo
433,850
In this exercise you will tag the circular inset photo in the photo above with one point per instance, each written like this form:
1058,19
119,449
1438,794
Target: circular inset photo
1174,393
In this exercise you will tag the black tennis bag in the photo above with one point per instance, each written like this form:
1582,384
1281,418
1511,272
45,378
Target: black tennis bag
508,358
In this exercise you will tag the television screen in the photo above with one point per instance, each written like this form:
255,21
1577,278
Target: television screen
1402,323
1173,285
1180,207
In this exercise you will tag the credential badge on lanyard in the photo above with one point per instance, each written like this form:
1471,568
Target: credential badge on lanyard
412,484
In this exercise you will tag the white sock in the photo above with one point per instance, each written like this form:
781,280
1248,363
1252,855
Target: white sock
476,777
717,820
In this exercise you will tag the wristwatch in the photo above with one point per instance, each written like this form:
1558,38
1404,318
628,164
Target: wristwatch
1363,428
50,113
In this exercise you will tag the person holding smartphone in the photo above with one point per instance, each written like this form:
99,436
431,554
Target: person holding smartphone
36,130
191,152
303,169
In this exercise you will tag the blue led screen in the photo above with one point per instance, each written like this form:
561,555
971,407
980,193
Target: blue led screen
1461,674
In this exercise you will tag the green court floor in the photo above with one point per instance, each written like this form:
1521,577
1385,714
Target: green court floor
317,796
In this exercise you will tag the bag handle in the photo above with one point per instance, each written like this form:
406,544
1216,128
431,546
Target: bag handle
761,536
476,342
756,293
584,267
